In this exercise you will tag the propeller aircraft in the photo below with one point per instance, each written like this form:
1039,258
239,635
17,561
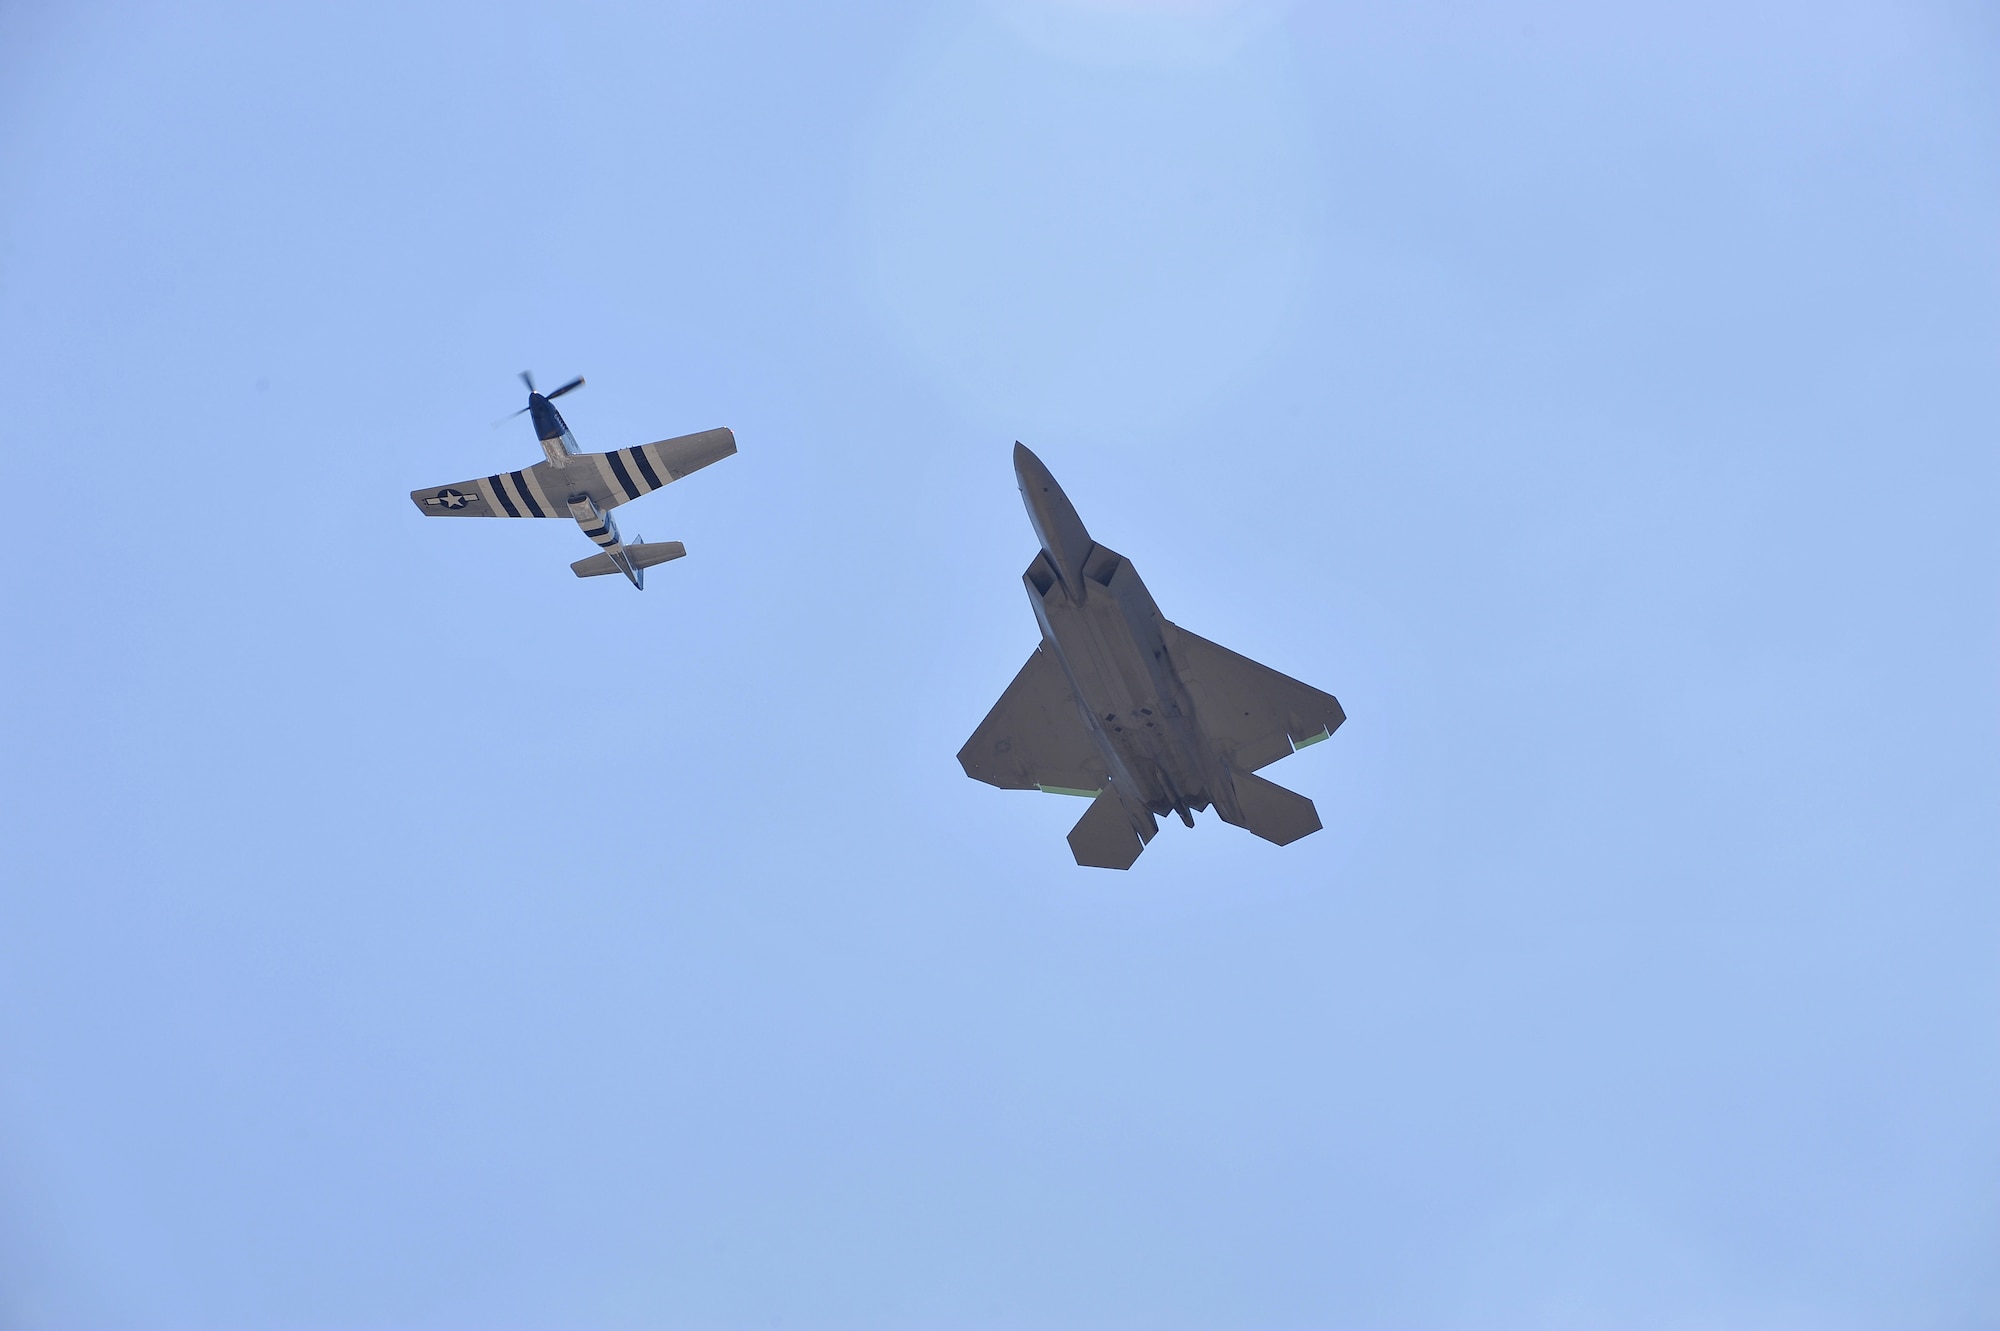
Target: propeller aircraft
583,487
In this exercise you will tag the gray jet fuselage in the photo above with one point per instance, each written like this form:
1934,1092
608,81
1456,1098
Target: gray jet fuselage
1110,639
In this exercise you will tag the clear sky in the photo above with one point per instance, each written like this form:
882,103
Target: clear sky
1603,401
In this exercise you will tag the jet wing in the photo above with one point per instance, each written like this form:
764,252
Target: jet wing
610,479
1254,715
1035,736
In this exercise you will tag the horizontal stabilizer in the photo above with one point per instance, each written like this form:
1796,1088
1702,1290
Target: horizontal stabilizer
1268,810
642,555
1104,837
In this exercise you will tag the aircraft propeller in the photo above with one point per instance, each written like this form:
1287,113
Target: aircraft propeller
529,380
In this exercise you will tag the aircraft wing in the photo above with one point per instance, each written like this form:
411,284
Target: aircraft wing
1254,714
463,499
610,479
1035,736
675,458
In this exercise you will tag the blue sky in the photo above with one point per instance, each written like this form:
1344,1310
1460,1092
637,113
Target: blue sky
398,932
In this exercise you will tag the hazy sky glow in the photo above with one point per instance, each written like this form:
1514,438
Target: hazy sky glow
397,932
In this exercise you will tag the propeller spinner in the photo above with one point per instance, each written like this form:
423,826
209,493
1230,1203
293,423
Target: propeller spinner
529,380
574,383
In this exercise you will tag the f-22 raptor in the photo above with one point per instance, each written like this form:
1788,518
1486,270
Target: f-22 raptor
584,487
1138,714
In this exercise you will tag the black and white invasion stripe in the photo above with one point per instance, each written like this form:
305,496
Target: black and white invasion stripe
632,472
519,496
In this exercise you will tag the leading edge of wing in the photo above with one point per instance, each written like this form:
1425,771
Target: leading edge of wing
1035,736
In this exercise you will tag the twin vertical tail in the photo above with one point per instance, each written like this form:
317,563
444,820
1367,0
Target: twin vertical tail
1112,834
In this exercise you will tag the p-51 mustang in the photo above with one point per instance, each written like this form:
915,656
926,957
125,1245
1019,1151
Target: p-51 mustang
582,486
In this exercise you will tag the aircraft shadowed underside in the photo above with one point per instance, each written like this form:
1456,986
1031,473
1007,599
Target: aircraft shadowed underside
1138,714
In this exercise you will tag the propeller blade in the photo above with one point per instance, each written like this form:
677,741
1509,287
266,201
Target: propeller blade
574,383
529,380
508,417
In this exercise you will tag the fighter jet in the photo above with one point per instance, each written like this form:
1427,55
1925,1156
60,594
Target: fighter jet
1135,713
584,487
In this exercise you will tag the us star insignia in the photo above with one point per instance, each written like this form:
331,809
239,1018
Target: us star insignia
450,499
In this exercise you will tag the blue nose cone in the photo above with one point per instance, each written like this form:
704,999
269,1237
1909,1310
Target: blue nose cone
1054,519
548,421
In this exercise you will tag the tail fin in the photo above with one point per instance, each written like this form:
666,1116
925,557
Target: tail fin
1267,809
639,554
1106,837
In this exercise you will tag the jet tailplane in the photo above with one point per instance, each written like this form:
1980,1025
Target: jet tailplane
1106,837
1266,809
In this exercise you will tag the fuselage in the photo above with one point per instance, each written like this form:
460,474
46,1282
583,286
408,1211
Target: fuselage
1113,649
560,446
1112,642
553,432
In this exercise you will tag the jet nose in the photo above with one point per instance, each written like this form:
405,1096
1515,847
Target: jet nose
1024,458
1053,517
1033,476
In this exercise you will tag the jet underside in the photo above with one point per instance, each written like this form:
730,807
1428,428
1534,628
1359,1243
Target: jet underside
1113,651
1122,705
